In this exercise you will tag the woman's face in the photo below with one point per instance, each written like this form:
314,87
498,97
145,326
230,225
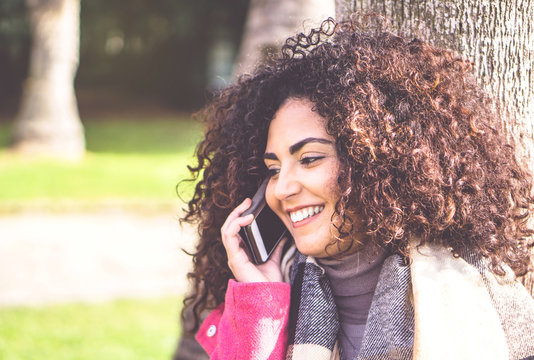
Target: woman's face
304,166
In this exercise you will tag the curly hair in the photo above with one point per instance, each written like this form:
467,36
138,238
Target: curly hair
419,143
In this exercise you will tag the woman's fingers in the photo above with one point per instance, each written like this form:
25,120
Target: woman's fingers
237,212
231,236
238,261
232,225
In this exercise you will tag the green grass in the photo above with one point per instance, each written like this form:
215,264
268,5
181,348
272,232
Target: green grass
125,329
130,162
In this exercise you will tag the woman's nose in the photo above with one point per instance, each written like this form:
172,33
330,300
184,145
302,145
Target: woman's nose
287,185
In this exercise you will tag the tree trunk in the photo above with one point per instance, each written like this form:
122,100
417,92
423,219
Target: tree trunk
496,35
270,22
48,122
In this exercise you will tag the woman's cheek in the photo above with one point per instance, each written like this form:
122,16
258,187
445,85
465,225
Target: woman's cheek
273,203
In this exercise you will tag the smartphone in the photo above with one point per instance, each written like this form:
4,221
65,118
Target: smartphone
266,230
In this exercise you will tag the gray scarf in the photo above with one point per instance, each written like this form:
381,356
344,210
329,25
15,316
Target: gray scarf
390,331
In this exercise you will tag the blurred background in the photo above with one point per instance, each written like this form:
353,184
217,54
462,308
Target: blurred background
96,132
91,265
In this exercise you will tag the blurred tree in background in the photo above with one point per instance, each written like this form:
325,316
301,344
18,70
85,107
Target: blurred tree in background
167,51
48,122
270,23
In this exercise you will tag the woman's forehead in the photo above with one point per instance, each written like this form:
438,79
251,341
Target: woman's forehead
294,125
298,115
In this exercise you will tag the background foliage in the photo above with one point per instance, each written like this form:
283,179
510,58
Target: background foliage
14,51
157,49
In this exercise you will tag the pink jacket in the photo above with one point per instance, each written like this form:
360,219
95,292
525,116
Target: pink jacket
251,324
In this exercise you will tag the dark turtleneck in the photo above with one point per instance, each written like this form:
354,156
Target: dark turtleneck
353,279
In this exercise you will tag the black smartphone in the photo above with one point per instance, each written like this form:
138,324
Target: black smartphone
266,230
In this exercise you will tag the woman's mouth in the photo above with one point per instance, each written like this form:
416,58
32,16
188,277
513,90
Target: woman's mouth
305,213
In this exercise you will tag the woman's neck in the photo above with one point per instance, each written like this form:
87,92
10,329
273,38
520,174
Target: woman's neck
353,280
356,273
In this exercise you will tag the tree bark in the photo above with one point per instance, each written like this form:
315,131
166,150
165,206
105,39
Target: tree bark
343,9
496,35
270,22
48,122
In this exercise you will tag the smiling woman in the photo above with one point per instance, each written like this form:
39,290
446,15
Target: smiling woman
407,210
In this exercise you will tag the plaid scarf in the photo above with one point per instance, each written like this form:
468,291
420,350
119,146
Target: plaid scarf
314,323
480,316
314,326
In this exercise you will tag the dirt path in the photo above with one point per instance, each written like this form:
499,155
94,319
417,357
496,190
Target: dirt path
47,258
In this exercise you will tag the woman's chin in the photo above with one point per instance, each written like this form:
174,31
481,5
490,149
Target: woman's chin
315,241
310,249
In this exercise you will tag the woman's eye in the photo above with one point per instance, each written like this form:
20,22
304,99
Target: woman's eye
273,171
310,159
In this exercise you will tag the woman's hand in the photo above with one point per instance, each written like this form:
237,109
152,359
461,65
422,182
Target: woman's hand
243,269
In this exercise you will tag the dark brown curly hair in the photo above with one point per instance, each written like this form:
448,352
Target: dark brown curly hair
420,146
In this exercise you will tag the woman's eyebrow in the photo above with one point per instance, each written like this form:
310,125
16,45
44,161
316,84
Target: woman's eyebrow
270,156
296,147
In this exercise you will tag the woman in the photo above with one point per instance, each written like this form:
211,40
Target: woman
406,208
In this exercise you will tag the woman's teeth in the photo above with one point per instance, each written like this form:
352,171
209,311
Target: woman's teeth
305,213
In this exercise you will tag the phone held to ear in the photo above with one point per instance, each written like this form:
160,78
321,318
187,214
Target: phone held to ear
266,230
